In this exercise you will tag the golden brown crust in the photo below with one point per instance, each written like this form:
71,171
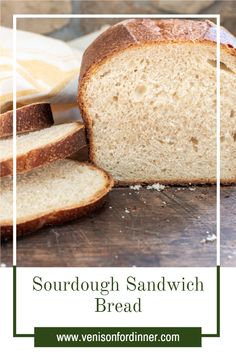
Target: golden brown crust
140,32
46,154
29,118
58,217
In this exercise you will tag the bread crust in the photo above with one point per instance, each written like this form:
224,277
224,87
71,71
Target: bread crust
140,32
29,118
46,154
60,216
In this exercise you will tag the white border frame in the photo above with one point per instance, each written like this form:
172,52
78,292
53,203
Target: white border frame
123,16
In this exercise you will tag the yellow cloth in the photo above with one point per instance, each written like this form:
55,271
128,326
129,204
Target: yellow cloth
47,70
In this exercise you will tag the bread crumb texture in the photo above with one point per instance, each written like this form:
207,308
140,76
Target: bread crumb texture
154,119
60,185
35,140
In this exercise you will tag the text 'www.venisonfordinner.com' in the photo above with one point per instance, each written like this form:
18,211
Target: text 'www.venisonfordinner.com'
118,337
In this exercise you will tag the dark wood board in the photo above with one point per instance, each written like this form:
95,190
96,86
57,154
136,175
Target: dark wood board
162,229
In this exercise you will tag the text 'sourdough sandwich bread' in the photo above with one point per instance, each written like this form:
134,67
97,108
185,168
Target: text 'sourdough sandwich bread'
29,118
147,93
49,195
41,147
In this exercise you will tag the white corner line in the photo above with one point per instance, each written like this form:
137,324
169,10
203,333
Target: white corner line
89,16
218,144
14,140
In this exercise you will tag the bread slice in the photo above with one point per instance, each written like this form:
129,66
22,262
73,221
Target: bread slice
29,118
147,94
42,147
61,191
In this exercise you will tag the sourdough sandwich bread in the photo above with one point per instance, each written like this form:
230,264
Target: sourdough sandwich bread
41,147
61,191
29,118
147,93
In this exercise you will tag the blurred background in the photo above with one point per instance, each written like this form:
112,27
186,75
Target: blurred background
69,29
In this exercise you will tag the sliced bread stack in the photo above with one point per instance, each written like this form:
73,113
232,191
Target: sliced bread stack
50,188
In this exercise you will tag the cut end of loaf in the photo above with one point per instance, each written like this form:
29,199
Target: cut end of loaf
154,119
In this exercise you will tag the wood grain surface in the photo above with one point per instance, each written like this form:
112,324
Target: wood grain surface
138,228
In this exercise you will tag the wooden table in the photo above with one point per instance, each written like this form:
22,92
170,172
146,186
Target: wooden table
138,228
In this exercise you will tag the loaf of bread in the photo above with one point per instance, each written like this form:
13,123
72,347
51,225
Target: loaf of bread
49,195
29,118
147,94
41,147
